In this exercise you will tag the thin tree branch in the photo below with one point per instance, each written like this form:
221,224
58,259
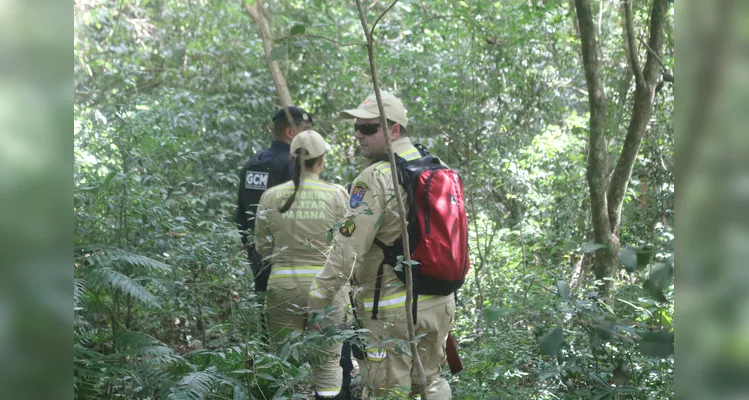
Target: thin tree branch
371,33
667,76
401,207
337,42
634,59
325,38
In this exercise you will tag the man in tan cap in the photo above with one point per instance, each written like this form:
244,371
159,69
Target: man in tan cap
292,226
372,214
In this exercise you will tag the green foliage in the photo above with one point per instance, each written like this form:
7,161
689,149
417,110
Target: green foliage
172,97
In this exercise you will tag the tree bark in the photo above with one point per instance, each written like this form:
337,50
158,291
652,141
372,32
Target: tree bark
597,173
646,81
401,205
257,13
607,196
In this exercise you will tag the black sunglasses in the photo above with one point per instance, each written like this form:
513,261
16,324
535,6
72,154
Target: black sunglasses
367,129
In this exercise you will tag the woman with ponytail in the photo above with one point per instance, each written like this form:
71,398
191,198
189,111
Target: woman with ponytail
291,233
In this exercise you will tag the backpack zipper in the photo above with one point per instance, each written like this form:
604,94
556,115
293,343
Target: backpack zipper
426,202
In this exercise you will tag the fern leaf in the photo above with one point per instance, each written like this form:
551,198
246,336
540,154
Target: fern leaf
108,276
103,256
194,386
80,289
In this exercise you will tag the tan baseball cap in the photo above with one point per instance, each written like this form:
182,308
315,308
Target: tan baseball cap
311,141
394,110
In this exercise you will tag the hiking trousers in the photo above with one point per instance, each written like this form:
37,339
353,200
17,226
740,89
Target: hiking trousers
387,369
288,290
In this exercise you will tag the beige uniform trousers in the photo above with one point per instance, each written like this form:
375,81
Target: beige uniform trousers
285,313
385,367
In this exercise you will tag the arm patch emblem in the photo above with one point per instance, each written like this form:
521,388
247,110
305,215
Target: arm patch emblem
347,227
357,194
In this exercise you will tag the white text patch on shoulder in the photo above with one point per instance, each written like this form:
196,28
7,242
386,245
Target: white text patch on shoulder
256,180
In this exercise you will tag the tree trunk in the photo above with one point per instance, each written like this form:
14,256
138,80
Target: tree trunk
257,12
645,82
607,196
597,175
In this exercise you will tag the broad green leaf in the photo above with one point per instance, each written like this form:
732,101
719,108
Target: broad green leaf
563,289
266,376
552,341
628,257
598,379
379,221
279,53
658,344
298,30
590,247
604,331
644,256
492,314
243,371
548,374
109,179
285,351
660,279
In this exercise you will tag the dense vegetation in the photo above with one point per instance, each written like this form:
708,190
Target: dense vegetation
173,96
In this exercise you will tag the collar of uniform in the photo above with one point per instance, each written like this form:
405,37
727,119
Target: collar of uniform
278,145
402,144
310,175
399,146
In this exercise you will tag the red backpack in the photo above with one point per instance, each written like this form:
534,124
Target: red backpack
437,229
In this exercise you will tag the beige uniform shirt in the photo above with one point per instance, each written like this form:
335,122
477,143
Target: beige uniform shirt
300,237
372,213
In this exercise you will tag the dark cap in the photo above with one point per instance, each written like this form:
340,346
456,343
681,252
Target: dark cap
297,114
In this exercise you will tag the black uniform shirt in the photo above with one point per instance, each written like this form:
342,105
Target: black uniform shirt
276,161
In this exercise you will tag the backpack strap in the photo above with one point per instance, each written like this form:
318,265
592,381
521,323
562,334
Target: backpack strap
378,287
422,149
389,256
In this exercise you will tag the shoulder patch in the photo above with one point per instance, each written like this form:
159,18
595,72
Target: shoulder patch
357,194
256,180
347,227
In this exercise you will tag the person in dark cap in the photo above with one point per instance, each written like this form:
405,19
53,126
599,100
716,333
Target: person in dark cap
266,169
